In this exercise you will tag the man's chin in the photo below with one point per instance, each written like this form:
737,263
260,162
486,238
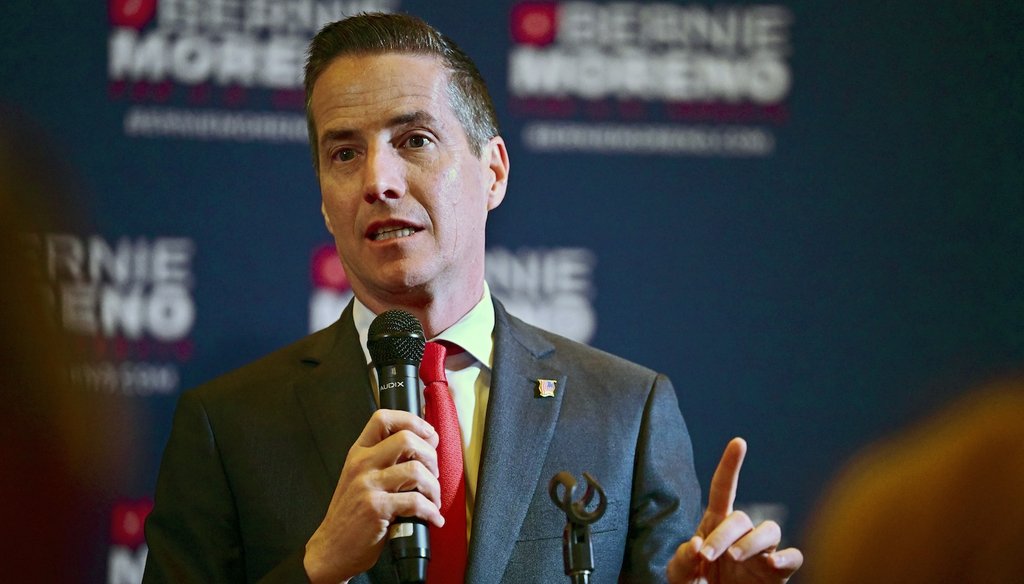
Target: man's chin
403,287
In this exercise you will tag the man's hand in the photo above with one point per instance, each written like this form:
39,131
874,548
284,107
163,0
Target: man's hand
391,471
727,548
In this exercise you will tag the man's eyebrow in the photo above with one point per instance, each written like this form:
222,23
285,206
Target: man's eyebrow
339,135
412,118
418,117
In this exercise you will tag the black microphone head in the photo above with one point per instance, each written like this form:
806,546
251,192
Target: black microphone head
396,336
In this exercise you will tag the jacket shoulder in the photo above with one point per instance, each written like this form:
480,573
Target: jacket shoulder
272,370
546,344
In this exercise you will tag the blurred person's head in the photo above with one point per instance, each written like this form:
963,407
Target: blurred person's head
938,503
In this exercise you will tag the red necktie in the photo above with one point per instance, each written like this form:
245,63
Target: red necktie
447,544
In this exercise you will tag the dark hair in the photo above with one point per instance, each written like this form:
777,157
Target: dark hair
378,33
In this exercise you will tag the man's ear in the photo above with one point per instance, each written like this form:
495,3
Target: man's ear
327,220
497,161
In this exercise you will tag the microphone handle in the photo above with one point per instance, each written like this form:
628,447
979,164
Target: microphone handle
410,544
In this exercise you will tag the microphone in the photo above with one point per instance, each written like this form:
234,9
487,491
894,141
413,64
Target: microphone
396,343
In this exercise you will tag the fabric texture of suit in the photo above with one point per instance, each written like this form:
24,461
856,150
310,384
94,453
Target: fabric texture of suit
254,456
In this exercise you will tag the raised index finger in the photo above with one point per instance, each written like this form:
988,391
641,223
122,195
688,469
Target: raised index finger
724,483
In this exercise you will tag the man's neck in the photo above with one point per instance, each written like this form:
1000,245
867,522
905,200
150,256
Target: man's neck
436,312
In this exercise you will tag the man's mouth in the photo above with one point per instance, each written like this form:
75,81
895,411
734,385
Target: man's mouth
392,233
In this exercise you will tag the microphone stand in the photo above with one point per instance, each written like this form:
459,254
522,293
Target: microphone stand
577,548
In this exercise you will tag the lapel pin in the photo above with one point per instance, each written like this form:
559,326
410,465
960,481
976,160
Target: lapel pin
546,388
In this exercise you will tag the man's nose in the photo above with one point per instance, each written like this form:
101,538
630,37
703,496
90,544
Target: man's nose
383,175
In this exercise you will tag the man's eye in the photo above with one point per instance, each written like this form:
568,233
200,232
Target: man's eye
418,142
345,154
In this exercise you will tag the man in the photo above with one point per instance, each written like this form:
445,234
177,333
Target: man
286,470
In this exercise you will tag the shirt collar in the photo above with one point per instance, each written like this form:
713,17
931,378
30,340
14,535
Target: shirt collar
474,332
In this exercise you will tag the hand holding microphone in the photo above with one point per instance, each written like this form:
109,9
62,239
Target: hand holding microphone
396,344
389,473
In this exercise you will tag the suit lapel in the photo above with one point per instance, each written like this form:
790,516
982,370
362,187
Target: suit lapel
336,395
337,400
519,430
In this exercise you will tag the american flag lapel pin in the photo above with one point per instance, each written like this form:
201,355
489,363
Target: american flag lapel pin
546,388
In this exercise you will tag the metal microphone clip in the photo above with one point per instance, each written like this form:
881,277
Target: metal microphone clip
577,549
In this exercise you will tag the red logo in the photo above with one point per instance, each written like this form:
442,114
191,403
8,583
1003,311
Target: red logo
534,23
328,271
127,521
131,13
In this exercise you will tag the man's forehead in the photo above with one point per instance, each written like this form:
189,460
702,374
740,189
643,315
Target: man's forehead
366,84
397,74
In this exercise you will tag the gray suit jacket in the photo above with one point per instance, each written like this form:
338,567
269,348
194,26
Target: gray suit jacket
254,456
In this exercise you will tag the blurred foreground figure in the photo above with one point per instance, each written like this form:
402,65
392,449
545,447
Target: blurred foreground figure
60,446
939,503
40,499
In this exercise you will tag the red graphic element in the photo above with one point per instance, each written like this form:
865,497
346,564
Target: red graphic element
140,90
199,93
632,109
162,91
235,95
726,112
602,109
131,13
184,350
328,271
534,23
119,348
127,521
289,99
546,108
116,89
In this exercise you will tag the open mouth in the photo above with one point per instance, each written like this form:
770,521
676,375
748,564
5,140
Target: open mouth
393,232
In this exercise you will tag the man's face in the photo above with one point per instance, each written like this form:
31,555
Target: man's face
403,194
